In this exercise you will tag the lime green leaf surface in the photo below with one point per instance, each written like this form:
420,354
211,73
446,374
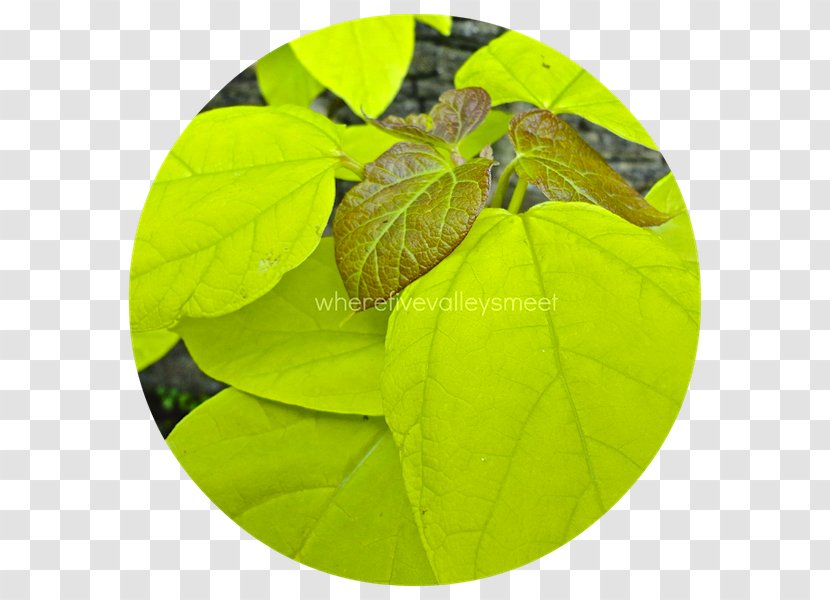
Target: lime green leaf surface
323,489
363,143
241,199
283,80
297,344
362,61
441,23
516,68
666,196
491,129
518,428
150,346
414,206
554,158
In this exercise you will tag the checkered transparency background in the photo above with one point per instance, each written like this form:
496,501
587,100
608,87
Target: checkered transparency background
92,94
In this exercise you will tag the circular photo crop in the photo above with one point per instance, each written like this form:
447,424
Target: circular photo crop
415,300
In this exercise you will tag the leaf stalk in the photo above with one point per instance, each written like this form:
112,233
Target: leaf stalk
352,165
501,187
518,196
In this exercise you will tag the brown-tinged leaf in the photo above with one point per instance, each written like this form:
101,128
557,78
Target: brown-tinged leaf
554,158
413,128
457,114
412,209
419,120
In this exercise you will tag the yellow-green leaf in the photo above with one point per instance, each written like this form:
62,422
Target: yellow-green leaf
554,158
516,68
363,143
241,199
151,346
492,129
677,232
283,80
441,23
299,343
414,206
320,488
362,61
522,420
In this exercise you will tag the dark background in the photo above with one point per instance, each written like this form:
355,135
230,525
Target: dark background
174,385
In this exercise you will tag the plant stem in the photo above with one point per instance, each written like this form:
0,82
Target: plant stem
518,196
352,165
504,181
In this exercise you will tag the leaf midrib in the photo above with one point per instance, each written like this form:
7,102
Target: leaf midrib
435,176
554,337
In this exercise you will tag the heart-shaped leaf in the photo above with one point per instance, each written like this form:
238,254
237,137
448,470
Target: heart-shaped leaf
527,408
320,488
516,68
413,128
414,206
362,61
456,115
298,344
491,130
677,232
554,158
241,186
151,346
283,80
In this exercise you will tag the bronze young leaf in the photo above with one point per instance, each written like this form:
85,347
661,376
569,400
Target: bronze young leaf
457,114
554,158
413,128
412,209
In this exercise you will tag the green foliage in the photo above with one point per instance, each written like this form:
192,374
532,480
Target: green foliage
363,61
569,404
284,80
363,143
151,346
286,347
438,444
172,399
321,488
516,68
491,130
665,195
241,199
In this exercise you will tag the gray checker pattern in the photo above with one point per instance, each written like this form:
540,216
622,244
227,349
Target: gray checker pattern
93,505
